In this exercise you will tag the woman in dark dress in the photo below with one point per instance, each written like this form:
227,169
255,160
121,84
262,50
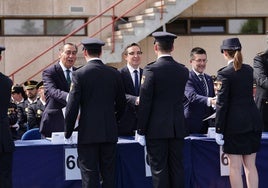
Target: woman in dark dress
238,122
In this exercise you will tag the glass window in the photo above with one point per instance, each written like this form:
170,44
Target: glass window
23,27
245,26
65,26
178,26
208,26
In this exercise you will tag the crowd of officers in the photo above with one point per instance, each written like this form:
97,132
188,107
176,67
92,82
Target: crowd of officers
26,107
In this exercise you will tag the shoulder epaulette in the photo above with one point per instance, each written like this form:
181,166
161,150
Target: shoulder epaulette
260,53
151,63
221,68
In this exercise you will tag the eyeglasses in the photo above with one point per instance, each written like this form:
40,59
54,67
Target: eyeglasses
200,60
133,53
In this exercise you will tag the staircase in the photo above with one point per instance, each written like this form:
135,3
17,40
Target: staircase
139,27
136,29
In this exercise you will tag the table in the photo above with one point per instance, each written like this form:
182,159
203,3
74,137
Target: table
40,164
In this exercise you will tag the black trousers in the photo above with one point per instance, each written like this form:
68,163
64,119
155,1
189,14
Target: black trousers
6,169
97,163
166,162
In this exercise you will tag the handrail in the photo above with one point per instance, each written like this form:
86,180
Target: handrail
77,30
64,38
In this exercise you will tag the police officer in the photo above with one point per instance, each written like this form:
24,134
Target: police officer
31,92
260,65
161,116
98,91
7,144
35,110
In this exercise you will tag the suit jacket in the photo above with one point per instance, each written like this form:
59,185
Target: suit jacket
260,65
236,111
98,92
56,91
195,103
128,123
7,144
161,99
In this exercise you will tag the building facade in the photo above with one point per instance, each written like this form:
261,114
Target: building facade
32,28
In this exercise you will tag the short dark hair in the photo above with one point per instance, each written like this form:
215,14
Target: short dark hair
197,50
68,43
94,52
130,45
165,46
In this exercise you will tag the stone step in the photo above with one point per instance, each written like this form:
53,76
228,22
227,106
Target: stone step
166,2
139,23
154,10
150,16
128,31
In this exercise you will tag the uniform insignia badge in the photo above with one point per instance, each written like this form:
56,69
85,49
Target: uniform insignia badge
142,79
39,111
10,111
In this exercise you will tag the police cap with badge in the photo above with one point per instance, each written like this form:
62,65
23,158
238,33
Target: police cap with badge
92,44
17,89
30,84
163,37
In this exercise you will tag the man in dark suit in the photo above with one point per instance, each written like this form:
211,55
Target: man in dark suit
160,116
56,80
6,142
98,92
199,94
131,74
260,65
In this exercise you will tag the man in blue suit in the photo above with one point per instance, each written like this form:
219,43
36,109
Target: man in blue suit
128,123
57,84
199,94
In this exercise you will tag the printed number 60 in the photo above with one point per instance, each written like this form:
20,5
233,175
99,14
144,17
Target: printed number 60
71,162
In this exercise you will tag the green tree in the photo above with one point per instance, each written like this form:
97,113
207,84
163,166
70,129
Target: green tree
250,27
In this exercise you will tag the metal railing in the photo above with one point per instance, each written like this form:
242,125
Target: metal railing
114,19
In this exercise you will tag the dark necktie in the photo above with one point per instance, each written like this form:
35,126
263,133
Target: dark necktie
137,87
68,77
204,86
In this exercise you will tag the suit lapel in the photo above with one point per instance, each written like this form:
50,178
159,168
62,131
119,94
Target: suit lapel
128,78
62,76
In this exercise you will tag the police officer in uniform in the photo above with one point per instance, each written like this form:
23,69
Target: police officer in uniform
31,92
238,121
35,110
260,65
6,142
161,114
98,91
